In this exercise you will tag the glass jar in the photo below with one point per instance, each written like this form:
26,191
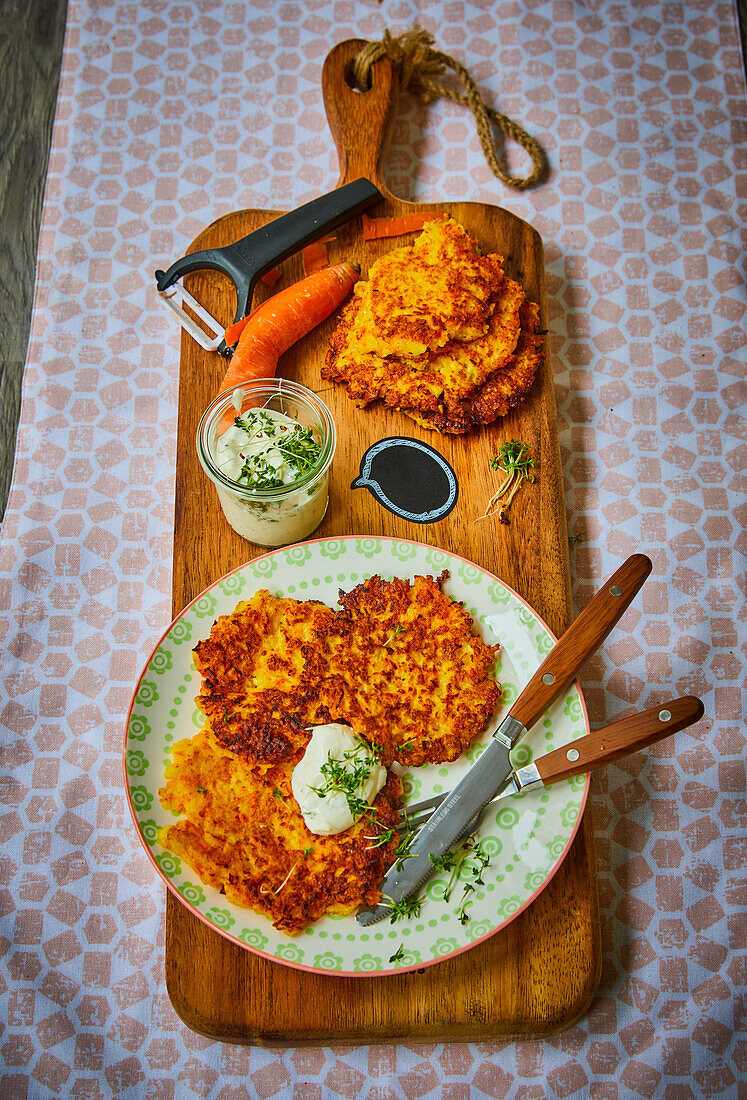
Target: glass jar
287,513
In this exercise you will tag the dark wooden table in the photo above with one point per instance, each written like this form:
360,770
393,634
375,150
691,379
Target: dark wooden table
31,38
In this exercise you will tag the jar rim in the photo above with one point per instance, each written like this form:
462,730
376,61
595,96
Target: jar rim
269,388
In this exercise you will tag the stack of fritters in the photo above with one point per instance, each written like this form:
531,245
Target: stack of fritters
438,331
398,662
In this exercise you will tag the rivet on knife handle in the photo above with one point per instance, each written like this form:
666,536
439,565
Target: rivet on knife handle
583,637
621,738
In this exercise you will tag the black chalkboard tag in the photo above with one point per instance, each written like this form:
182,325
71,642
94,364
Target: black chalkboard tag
409,478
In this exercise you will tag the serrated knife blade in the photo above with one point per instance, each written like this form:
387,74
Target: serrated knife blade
452,818
483,780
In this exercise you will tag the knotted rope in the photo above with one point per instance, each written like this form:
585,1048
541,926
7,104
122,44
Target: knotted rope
419,65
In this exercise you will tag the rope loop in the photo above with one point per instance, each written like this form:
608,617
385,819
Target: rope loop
420,66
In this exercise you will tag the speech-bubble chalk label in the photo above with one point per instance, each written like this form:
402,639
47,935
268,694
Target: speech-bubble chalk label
409,478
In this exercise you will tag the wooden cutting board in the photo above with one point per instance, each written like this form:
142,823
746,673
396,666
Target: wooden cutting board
538,974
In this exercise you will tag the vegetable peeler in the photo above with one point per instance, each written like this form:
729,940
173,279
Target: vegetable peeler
247,259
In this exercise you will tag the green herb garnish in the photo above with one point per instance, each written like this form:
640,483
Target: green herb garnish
408,907
398,955
346,777
295,447
514,461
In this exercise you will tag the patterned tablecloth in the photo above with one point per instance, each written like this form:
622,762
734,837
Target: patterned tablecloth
172,113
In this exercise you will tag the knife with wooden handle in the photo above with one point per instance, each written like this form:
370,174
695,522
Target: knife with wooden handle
594,750
488,774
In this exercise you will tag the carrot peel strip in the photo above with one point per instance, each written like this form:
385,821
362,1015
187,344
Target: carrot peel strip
271,277
315,256
235,330
377,228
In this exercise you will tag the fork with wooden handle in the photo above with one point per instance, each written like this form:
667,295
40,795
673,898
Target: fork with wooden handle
594,750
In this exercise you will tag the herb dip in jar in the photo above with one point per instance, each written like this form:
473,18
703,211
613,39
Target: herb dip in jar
267,447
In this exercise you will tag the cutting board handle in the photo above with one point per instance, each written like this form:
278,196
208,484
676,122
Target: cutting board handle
361,122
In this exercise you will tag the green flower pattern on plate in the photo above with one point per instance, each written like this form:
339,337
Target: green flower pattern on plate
573,708
137,763
369,548
534,880
509,692
141,797
161,662
169,864
444,946
333,549
509,906
555,846
181,632
506,817
204,608
367,963
475,930
525,616
411,787
297,555
328,961
192,893
498,594
232,585
149,829
221,918
403,551
139,728
290,952
436,558
264,568
147,695
523,844
435,888
520,756
253,938
469,574
491,846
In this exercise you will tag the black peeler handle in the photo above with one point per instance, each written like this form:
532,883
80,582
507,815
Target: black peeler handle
248,258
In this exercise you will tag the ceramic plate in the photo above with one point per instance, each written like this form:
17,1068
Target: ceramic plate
525,837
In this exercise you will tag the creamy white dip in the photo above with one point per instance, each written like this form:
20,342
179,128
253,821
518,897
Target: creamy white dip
265,451
336,769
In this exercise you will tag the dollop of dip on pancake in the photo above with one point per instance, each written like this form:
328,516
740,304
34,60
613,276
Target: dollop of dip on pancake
336,779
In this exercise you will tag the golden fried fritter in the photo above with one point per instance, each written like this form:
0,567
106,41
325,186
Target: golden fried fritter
453,373
400,664
501,391
420,296
243,833
260,645
435,381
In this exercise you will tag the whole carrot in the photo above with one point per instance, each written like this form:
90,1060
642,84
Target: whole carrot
284,319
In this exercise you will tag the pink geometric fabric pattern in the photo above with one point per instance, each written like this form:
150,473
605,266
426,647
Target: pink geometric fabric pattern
171,114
